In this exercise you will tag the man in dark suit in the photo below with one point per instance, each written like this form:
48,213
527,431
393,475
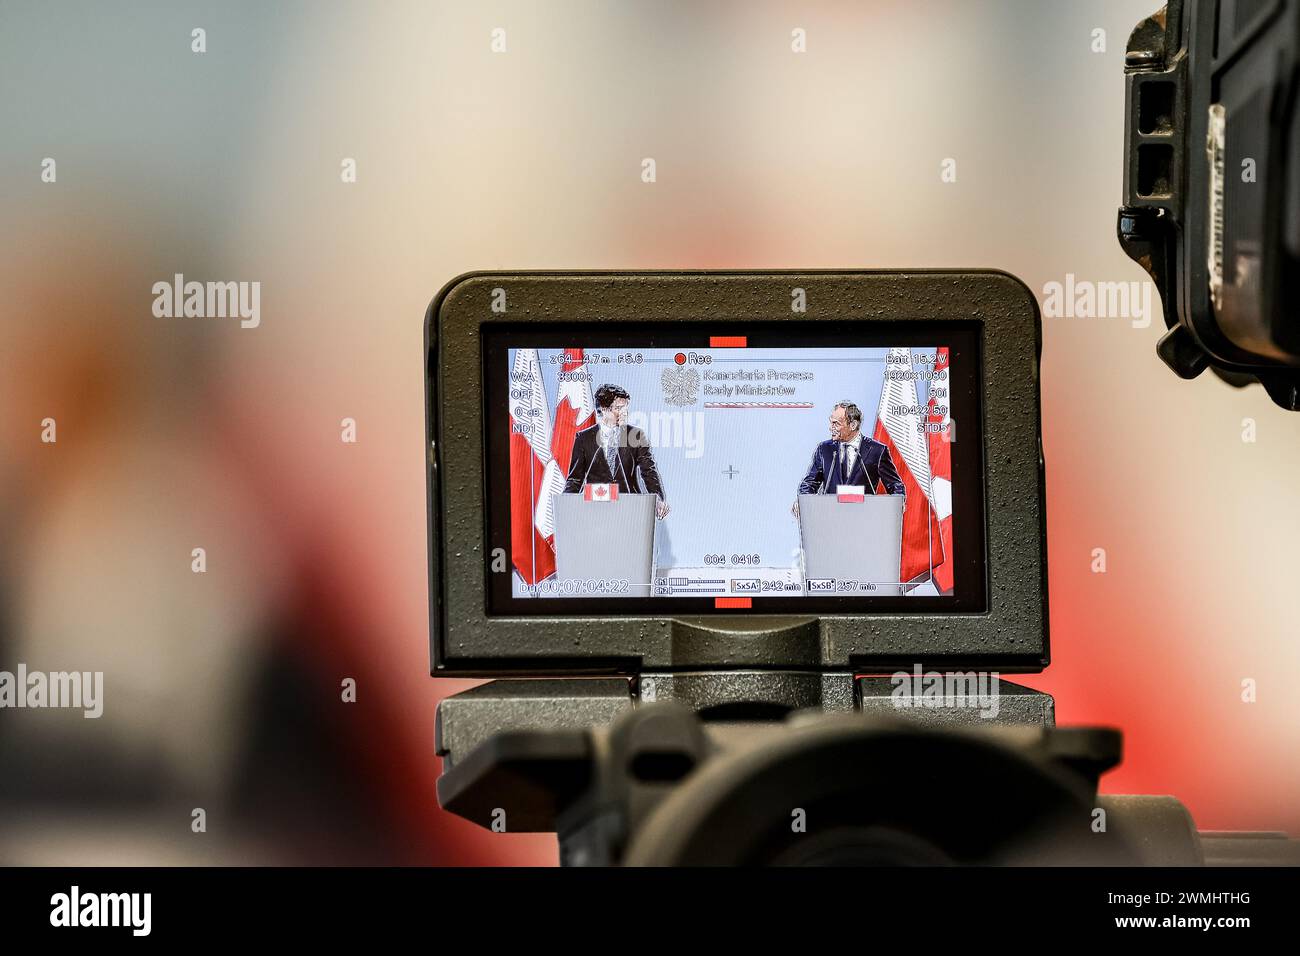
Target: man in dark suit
612,452
850,458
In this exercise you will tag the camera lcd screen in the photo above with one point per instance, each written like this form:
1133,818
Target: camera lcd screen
657,468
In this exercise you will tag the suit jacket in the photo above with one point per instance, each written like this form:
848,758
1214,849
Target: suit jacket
872,466
588,464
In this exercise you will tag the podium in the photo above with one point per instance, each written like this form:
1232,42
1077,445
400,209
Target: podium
606,540
858,541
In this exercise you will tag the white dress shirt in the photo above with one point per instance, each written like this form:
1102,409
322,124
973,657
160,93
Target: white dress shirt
850,452
609,441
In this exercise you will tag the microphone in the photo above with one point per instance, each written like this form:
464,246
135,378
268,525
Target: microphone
619,459
850,465
600,444
658,497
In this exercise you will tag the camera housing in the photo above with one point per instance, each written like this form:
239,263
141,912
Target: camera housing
997,616
1212,186
692,725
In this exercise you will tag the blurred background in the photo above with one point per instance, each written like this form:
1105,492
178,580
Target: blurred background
222,689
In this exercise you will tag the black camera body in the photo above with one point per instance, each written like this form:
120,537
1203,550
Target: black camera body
1212,185
798,768
779,658
997,615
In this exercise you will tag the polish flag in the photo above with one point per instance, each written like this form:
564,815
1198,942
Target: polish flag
899,427
599,492
940,440
851,493
534,476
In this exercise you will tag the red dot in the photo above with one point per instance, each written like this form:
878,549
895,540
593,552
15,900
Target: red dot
680,358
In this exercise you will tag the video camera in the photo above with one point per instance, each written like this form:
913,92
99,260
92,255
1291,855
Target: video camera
1212,185
754,550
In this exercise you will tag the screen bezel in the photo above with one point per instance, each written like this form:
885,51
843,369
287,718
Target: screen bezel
1011,636
970,578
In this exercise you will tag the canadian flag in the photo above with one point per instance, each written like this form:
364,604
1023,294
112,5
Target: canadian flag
534,476
899,427
599,492
574,411
940,439
574,407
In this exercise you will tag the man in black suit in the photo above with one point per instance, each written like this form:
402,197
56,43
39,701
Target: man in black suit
849,458
612,452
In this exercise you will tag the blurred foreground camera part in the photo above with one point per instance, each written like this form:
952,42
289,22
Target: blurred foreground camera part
1212,185
805,769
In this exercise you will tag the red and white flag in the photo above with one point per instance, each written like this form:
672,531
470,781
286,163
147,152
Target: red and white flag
940,439
851,493
600,492
574,407
899,426
574,411
533,472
